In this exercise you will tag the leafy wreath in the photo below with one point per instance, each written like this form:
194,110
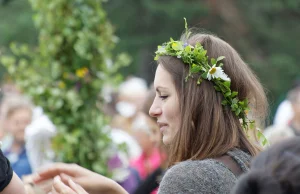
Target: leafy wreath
203,68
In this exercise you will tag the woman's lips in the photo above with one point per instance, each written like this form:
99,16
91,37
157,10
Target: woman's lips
162,126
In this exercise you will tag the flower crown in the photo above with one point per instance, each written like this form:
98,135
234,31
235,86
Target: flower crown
203,68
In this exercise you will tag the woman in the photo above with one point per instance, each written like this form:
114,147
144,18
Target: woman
274,171
201,108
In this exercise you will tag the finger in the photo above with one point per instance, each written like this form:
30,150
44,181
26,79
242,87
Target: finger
76,187
60,187
45,185
65,178
55,170
53,191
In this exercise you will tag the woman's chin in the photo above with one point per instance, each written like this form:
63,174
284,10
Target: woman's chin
166,140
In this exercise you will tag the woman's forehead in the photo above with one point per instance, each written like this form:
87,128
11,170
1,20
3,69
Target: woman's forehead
162,78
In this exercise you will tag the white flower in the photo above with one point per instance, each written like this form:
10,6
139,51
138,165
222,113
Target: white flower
217,72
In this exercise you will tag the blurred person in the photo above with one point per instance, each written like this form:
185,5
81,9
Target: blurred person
38,136
284,112
38,133
17,115
274,171
6,89
150,157
276,133
131,95
118,134
151,182
203,126
125,147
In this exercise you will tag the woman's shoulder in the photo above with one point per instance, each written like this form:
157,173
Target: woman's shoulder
196,165
197,176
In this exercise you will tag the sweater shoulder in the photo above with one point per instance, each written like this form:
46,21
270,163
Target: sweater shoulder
199,176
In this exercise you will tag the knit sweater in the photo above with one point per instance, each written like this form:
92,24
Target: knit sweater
207,176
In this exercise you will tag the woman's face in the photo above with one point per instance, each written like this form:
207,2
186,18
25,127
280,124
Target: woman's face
165,106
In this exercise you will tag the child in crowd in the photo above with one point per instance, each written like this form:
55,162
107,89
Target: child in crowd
16,116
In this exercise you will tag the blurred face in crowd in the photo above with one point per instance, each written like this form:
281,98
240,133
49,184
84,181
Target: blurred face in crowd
165,106
16,123
142,132
144,140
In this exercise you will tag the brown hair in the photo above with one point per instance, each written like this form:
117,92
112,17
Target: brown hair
209,129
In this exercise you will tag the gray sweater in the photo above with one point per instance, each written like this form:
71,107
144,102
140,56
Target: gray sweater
207,176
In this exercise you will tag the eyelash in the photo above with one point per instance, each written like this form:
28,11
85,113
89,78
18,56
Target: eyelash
163,97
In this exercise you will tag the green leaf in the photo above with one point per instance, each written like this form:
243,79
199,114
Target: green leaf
199,81
234,101
213,61
195,68
227,94
204,75
220,58
252,125
224,102
234,94
237,112
187,49
177,46
227,83
259,134
265,141
217,89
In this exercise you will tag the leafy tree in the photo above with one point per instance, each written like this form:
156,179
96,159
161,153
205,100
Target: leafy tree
65,73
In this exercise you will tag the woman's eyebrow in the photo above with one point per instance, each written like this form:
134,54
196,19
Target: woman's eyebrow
159,88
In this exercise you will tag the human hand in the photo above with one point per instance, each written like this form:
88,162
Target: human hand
59,187
92,182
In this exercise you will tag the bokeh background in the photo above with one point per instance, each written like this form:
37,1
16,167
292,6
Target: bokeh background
266,33
63,54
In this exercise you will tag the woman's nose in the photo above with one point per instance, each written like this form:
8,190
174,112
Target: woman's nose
155,110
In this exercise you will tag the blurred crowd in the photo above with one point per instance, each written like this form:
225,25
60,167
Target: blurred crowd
26,133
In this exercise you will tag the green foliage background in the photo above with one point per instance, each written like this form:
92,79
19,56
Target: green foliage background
65,73
265,33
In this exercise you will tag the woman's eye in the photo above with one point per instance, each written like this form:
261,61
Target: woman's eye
163,97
